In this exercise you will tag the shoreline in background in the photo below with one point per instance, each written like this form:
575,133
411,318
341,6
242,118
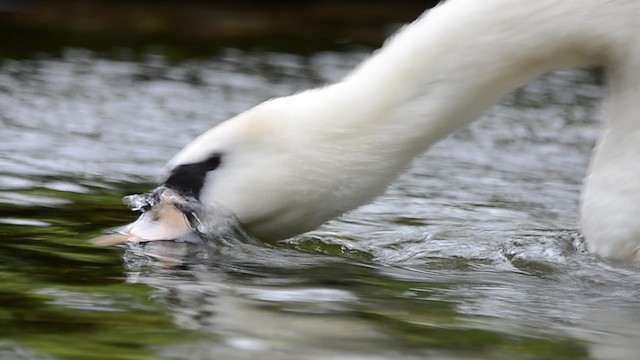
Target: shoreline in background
197,28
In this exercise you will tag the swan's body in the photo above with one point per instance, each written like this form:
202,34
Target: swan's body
290,164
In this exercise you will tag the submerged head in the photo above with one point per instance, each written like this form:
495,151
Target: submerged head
255,166
286,166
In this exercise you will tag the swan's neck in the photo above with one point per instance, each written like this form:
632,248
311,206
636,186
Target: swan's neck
441,71
611,198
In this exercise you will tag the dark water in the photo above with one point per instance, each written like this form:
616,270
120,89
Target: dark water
474,253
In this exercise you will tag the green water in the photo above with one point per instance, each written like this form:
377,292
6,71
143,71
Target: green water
66,299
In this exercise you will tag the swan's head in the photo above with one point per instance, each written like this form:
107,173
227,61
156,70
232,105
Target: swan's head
284,167
249,164
259,165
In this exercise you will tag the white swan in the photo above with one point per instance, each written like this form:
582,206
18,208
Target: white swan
292,163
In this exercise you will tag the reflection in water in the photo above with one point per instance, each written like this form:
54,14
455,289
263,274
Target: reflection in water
472,254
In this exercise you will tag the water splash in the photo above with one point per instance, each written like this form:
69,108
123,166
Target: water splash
176,228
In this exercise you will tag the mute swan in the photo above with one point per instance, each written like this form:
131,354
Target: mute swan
292,163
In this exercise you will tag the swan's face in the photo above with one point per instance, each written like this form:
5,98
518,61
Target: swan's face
252,166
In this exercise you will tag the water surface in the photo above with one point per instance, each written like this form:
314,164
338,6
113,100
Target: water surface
474,253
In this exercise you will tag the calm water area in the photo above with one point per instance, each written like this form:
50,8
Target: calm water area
474,253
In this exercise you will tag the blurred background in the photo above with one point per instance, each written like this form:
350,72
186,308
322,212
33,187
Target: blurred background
197,27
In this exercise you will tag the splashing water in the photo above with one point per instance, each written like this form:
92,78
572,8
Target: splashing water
177,228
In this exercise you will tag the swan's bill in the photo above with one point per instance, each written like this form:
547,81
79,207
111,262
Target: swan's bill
165,217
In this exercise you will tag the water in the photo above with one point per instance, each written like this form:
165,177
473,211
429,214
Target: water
473,253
